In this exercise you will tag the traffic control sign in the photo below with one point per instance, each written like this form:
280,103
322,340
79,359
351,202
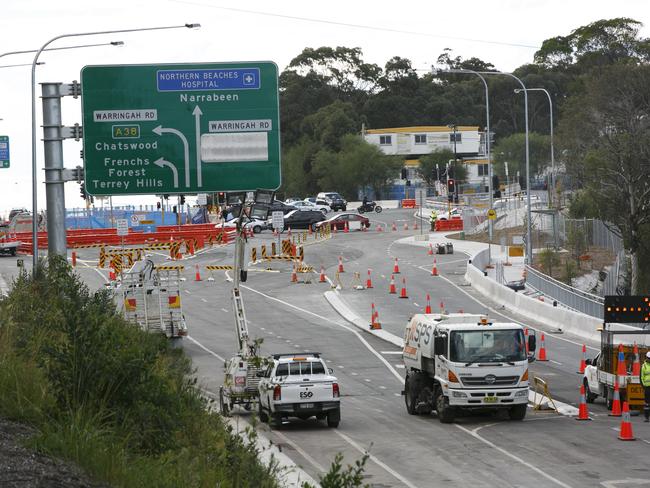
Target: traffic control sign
492,214
180,128
4,151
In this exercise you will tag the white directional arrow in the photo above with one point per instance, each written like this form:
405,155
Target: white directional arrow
160,130
162,163
197,127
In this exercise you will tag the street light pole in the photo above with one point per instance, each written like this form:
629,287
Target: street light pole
487,146
550,103
34,62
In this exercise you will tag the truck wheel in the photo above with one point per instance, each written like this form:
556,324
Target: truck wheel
333,418
518,412
408,396
589,396
262,414
445,412
414,387
276,420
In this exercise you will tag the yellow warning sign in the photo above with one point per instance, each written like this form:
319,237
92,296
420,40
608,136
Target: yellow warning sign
492,214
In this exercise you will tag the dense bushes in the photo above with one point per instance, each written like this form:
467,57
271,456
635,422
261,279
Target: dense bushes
116,400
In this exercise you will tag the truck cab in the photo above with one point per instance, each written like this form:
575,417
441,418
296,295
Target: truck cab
462,361
298,385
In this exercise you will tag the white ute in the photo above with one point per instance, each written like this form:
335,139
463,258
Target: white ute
461,361
298,385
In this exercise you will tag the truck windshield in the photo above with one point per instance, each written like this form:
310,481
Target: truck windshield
487,346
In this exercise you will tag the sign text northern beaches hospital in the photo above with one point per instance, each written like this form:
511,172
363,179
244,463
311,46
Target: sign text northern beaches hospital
156,129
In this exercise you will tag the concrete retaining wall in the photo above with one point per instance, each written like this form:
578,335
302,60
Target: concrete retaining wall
575,323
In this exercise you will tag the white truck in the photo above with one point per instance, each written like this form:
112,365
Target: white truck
462,361
8,242
298,385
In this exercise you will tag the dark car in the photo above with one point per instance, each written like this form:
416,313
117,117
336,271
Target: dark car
354,221
338,204
303,219
277,205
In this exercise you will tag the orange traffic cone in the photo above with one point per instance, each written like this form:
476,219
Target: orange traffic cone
197,275
322,279
442,307
616,401
434,270
636,365
394,227
374,319
368,281
626,426
406,226
396,267
621,370
415,225
392,290
583,414
294,275
403,291
427,309
335,229
289,233
379,229
542,350
341,270
430,252
346,229
111,275
583,361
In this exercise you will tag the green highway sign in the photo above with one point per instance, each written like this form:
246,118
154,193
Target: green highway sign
4,151
180,128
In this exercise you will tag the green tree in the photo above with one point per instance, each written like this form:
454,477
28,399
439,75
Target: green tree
513,150
606,133
428,163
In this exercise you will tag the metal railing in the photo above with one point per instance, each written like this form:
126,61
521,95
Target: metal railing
567,295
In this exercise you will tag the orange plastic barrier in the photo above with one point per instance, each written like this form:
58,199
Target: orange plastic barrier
408,203
452,224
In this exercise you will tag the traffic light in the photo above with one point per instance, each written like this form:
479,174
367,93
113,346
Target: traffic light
404,173
82,191
408,182
182,199
451,186
158,205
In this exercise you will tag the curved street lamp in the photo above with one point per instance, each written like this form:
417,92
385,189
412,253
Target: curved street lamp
38,53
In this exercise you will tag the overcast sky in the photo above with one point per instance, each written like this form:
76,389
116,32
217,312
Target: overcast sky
503,32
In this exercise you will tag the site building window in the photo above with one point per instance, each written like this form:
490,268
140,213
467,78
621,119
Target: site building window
458,137
420,138
483,170
385,140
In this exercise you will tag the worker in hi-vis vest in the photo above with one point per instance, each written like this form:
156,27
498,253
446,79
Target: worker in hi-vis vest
645,381
432,219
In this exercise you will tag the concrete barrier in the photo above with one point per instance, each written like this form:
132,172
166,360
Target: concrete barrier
568,321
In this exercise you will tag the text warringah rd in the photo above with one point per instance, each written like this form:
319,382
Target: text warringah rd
152,129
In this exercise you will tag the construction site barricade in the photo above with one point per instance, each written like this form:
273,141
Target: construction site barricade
451,224
408,203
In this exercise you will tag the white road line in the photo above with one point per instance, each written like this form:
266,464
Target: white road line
554,362
224,310
400,366
367,380
512,456
188,292
357,334
391,352
375,460
206,349
204,300
300,451
416,304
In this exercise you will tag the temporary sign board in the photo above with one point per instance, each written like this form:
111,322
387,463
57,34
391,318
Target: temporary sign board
122,227
202,199
627,309
180,128
277,219
4,151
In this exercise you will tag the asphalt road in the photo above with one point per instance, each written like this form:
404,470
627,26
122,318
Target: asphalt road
477,450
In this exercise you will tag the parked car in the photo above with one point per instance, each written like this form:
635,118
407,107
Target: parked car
331,195
306,205
455,213
353,221
291,199
338,204
277,205
256,225
303,219
298,385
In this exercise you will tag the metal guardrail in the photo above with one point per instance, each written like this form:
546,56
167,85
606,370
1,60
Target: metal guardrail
569,296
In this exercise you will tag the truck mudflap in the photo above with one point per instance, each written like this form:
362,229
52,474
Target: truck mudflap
486,398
